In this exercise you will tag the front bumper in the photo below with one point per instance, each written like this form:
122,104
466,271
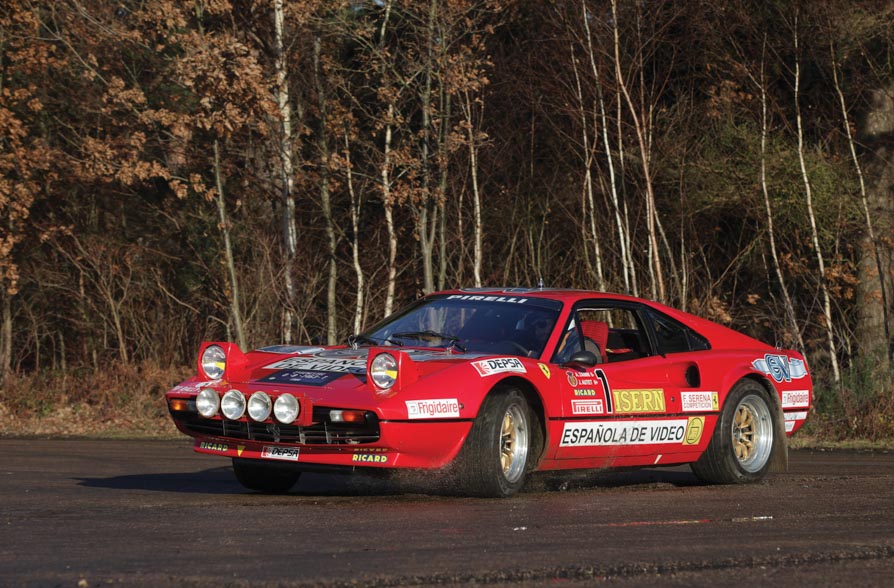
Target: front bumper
417,444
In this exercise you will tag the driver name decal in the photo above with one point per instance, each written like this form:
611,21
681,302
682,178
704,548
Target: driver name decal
499,365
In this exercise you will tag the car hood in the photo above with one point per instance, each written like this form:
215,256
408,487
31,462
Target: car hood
339,366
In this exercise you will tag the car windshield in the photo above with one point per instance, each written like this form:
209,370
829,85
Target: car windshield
481,324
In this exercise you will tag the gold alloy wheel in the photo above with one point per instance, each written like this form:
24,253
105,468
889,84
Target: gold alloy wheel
743,433
514,442
752,432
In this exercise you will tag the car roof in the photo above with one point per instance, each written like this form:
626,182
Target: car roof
719,335
561,294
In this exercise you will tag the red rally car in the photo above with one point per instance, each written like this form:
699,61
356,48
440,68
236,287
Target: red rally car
487,385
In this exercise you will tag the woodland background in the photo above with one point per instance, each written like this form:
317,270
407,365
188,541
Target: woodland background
267,171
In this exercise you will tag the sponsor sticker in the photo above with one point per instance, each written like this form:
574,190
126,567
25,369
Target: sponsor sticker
499,365
545,369
780,367
284,453
442,408
624,433
627,401
572,379
699,401
207,446
795,399
789,426
369,458
585,392
510,299
584,407
694,429
321,364
193,387
796,416
302,377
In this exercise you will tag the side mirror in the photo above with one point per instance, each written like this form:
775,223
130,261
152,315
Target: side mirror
581,360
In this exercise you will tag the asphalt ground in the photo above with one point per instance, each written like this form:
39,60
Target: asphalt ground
153,513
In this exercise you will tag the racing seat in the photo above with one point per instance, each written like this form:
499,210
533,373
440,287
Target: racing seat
595,338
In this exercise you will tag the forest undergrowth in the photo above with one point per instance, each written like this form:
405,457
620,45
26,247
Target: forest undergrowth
127,401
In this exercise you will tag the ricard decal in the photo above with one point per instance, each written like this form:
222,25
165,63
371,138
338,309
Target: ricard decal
369,458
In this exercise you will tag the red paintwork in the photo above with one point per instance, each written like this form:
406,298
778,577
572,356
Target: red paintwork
643,385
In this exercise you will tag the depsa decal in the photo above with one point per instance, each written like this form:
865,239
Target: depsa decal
487,367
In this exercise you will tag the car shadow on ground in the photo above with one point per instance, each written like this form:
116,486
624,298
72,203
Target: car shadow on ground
221,480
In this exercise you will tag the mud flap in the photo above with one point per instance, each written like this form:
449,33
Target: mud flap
779,456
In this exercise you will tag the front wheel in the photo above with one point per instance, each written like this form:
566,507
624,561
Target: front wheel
264,478
742,442
495,457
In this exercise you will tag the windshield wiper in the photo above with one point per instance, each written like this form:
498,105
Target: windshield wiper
353,340
422,335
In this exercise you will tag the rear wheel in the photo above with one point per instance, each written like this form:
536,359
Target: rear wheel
264,478
495,458
742,442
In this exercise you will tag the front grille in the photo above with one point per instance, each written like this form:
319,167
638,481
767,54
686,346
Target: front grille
321,432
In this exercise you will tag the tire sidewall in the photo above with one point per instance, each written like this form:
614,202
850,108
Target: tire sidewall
480,465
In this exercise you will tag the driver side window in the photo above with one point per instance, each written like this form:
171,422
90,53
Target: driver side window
612,333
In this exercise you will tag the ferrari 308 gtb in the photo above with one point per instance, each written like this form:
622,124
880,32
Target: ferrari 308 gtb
487,385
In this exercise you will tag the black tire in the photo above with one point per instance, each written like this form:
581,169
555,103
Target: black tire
264,478
743,441
497,454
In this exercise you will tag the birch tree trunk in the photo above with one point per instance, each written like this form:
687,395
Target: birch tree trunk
290,229
874,319
808,193
589,207
326,201
656,272
235,307
476,194
787,301
626,261
355,237
385,174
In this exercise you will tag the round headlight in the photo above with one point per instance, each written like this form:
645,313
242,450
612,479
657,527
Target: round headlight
286,408
259,406
207,402
384,370
214,362
232,405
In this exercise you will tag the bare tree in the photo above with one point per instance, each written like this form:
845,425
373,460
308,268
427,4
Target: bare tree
808,194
